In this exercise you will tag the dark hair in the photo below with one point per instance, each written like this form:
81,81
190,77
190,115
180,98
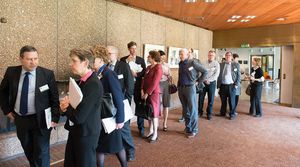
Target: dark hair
83,55
27,48
235,56
162,53
228,53
130,44
155,55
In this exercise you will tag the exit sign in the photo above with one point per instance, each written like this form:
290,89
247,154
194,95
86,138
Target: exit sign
245,45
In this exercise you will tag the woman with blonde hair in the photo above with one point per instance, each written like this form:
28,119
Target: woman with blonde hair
109,143
256,78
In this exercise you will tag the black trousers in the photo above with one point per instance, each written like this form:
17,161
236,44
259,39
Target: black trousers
228,92
210,90
255,99
34,141
81,151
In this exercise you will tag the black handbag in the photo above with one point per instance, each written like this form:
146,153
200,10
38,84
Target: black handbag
248,90
144,110
172,87
108,108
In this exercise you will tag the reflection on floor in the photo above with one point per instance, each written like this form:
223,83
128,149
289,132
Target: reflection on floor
269,93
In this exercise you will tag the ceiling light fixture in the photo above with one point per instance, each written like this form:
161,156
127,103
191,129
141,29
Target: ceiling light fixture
281,19
236,17
190,1
245,20
250,17
231,20
210,1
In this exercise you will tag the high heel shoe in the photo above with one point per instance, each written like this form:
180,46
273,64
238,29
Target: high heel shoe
149,136
165,129
153,140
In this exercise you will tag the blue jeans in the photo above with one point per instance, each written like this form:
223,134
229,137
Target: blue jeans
187,97
127,139
228,92
255,99
210,90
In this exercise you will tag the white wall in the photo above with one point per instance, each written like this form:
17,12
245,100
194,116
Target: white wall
245,53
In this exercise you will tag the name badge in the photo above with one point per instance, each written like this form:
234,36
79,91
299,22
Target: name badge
235,69
120,76
191,68
44,88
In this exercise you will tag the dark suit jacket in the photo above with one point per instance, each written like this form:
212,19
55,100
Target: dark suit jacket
112,85
235,73
43,100
126,79
86,117
140,75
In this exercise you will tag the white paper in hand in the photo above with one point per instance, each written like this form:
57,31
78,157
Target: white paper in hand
75,94
48,117
127,111
109,124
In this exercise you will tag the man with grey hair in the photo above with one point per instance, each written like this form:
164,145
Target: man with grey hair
126,79
210,82
188,73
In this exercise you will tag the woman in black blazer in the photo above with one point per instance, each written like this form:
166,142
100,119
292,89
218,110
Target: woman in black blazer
112,142
83,122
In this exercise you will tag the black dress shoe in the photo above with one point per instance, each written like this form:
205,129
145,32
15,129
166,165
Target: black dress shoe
258,115
141,133
209,117
221,115
130,158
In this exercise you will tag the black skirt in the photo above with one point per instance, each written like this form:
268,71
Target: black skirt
110,143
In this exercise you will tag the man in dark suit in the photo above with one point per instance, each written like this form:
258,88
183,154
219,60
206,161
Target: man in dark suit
228,82
136,61
26,92
126,79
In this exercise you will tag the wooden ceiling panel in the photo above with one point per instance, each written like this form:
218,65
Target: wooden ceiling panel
213,16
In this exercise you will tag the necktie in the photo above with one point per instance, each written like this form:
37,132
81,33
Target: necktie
24,95
112,67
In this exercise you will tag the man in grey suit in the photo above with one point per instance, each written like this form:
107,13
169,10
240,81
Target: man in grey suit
228,82
189,70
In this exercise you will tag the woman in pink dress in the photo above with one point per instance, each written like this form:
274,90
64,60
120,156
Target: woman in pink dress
150,91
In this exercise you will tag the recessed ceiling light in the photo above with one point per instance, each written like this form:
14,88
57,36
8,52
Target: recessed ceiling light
231,20
245,20
209,1
281,19
190,1
236,17
250,17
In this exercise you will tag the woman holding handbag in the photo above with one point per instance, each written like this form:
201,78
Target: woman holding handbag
109,143
256,79
164,88
150,91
